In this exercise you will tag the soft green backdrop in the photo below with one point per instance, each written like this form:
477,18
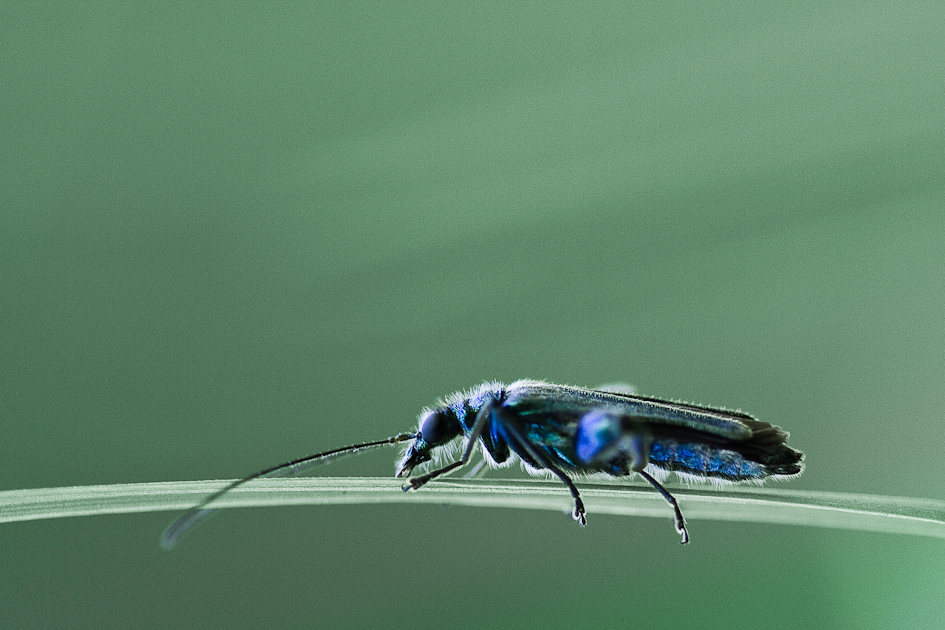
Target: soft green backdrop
232,234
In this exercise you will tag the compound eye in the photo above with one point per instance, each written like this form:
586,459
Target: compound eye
435,427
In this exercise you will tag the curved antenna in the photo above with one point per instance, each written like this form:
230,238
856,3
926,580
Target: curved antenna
200,512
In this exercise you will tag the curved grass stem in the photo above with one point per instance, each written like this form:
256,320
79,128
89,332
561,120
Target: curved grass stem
898,515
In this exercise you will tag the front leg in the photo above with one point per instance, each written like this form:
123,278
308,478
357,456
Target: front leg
482,418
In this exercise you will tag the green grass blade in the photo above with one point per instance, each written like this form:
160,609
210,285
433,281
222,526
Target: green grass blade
898,515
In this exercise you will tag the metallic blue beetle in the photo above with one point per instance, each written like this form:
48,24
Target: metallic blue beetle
568,431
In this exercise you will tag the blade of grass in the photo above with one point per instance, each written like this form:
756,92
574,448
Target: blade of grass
899,515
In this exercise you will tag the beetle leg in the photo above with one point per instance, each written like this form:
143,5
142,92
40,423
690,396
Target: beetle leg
478,426
679,521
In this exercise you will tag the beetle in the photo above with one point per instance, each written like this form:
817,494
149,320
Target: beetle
570,431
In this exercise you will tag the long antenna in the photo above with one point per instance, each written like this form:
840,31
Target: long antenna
198,513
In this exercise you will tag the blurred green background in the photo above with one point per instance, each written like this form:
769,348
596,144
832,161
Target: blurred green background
233,234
